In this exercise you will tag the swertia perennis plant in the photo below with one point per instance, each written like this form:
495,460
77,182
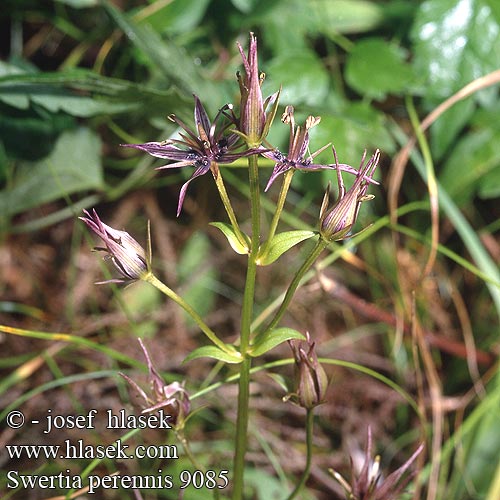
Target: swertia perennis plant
233,134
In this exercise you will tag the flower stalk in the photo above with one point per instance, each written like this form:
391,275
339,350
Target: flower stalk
212,336
309,452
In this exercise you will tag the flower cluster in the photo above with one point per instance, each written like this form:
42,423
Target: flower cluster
210,144
204,148
369,484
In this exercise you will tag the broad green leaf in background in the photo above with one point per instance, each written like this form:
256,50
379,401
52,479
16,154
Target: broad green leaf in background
302,75
245,6
288,23
473,166
177,16
375,68
73,165
455,42
345,16
353,129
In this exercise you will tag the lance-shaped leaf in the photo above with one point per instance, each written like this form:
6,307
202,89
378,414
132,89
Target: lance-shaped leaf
232,237
211,351
266,341
281,243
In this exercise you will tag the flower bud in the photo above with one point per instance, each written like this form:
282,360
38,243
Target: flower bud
337,222
311,381
126,253
253,118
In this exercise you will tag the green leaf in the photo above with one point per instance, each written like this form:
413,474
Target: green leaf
83,93
79,4
211,351
167,57
473,166
281,243
73,165
376,68
178,16
455,43
229,233
245,6
268,340
302,76
448,126
355,128
346,16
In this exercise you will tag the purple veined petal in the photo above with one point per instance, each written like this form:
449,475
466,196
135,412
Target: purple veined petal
279,168
302,140
177,164
246,64
197,173
159,149
273,154
201,120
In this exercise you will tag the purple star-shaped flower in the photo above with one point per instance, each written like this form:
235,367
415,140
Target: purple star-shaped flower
205,148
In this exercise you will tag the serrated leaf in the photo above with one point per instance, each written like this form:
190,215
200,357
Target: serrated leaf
211,351
73,165
233,240
281,243
376,68
268,340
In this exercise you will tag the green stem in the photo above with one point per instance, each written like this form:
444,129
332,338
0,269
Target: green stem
229,210
153,280
285,186
311,258
309,439
246,321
